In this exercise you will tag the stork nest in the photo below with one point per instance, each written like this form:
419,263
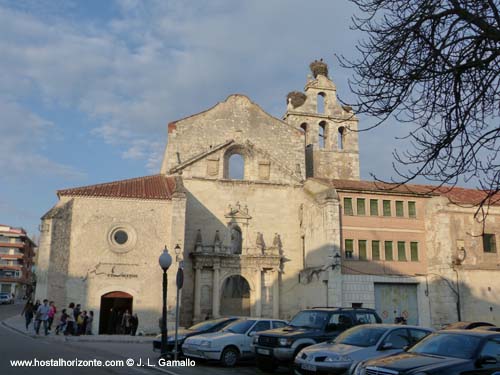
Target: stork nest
297,98
319,67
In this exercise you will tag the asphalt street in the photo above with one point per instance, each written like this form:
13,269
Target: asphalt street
16,346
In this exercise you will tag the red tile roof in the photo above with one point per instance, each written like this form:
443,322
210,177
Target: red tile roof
456,195
148,187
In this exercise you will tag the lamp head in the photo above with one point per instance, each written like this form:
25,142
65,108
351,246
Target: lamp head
177,250
165,259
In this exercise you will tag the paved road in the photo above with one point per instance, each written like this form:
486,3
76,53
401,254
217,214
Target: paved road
16,346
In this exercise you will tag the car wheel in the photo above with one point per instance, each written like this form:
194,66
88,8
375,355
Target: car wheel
266,364
229,357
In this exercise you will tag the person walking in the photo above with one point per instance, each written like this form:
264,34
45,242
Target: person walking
126,322
61,327
134,323
43,316
90,320
70,320
76,311
52,313
28,312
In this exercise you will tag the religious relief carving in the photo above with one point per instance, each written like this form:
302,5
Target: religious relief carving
237,212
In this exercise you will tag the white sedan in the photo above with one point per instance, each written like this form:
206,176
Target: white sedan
232,343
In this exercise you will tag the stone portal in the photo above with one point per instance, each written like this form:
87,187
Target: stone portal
235,297
113,305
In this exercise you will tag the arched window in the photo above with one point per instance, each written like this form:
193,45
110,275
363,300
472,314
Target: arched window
236,240
236,167
304,127
341,138
321,102
322,134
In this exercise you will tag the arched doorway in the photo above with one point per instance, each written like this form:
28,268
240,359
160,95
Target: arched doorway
235,298
113,305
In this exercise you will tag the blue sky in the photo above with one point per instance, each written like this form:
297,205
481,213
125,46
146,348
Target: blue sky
88,87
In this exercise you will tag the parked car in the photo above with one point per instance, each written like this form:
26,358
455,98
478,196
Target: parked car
232,343
357,344
308,327
447,352
6,298
467,325
205,326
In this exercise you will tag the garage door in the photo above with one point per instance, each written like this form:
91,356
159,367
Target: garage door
393,300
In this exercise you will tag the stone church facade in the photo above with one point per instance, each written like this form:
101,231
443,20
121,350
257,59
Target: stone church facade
271,217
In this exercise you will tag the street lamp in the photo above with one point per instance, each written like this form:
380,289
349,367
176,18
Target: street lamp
165,262
179,281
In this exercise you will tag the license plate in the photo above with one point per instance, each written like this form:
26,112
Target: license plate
263,351
308,367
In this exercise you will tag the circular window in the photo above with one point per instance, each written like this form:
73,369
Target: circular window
120,237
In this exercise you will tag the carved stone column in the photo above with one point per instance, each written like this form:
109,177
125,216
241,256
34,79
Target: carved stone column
197,293
216,291
258,293
276,294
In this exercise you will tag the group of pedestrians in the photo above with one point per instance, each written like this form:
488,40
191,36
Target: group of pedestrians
72,320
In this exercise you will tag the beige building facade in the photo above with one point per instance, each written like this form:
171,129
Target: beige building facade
271,217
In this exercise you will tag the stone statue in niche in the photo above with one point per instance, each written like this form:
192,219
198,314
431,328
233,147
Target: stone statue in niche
236,240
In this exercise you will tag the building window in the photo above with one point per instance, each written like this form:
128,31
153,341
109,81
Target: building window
305,128
322,134
349,249
120,237
360,206
236,167
362,250
489,243
387,207
412,209
388,250
414,251
399,209
401,251
348,206
375,250
341,138
373,207
321,102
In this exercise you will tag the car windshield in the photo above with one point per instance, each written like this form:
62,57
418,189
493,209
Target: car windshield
447,345
206,325
240,326
361,336
310,319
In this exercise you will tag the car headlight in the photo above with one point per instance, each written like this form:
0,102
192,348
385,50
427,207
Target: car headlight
256,339
285,342
338,358
206,343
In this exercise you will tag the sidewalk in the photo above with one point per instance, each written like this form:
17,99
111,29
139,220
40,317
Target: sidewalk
17,323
